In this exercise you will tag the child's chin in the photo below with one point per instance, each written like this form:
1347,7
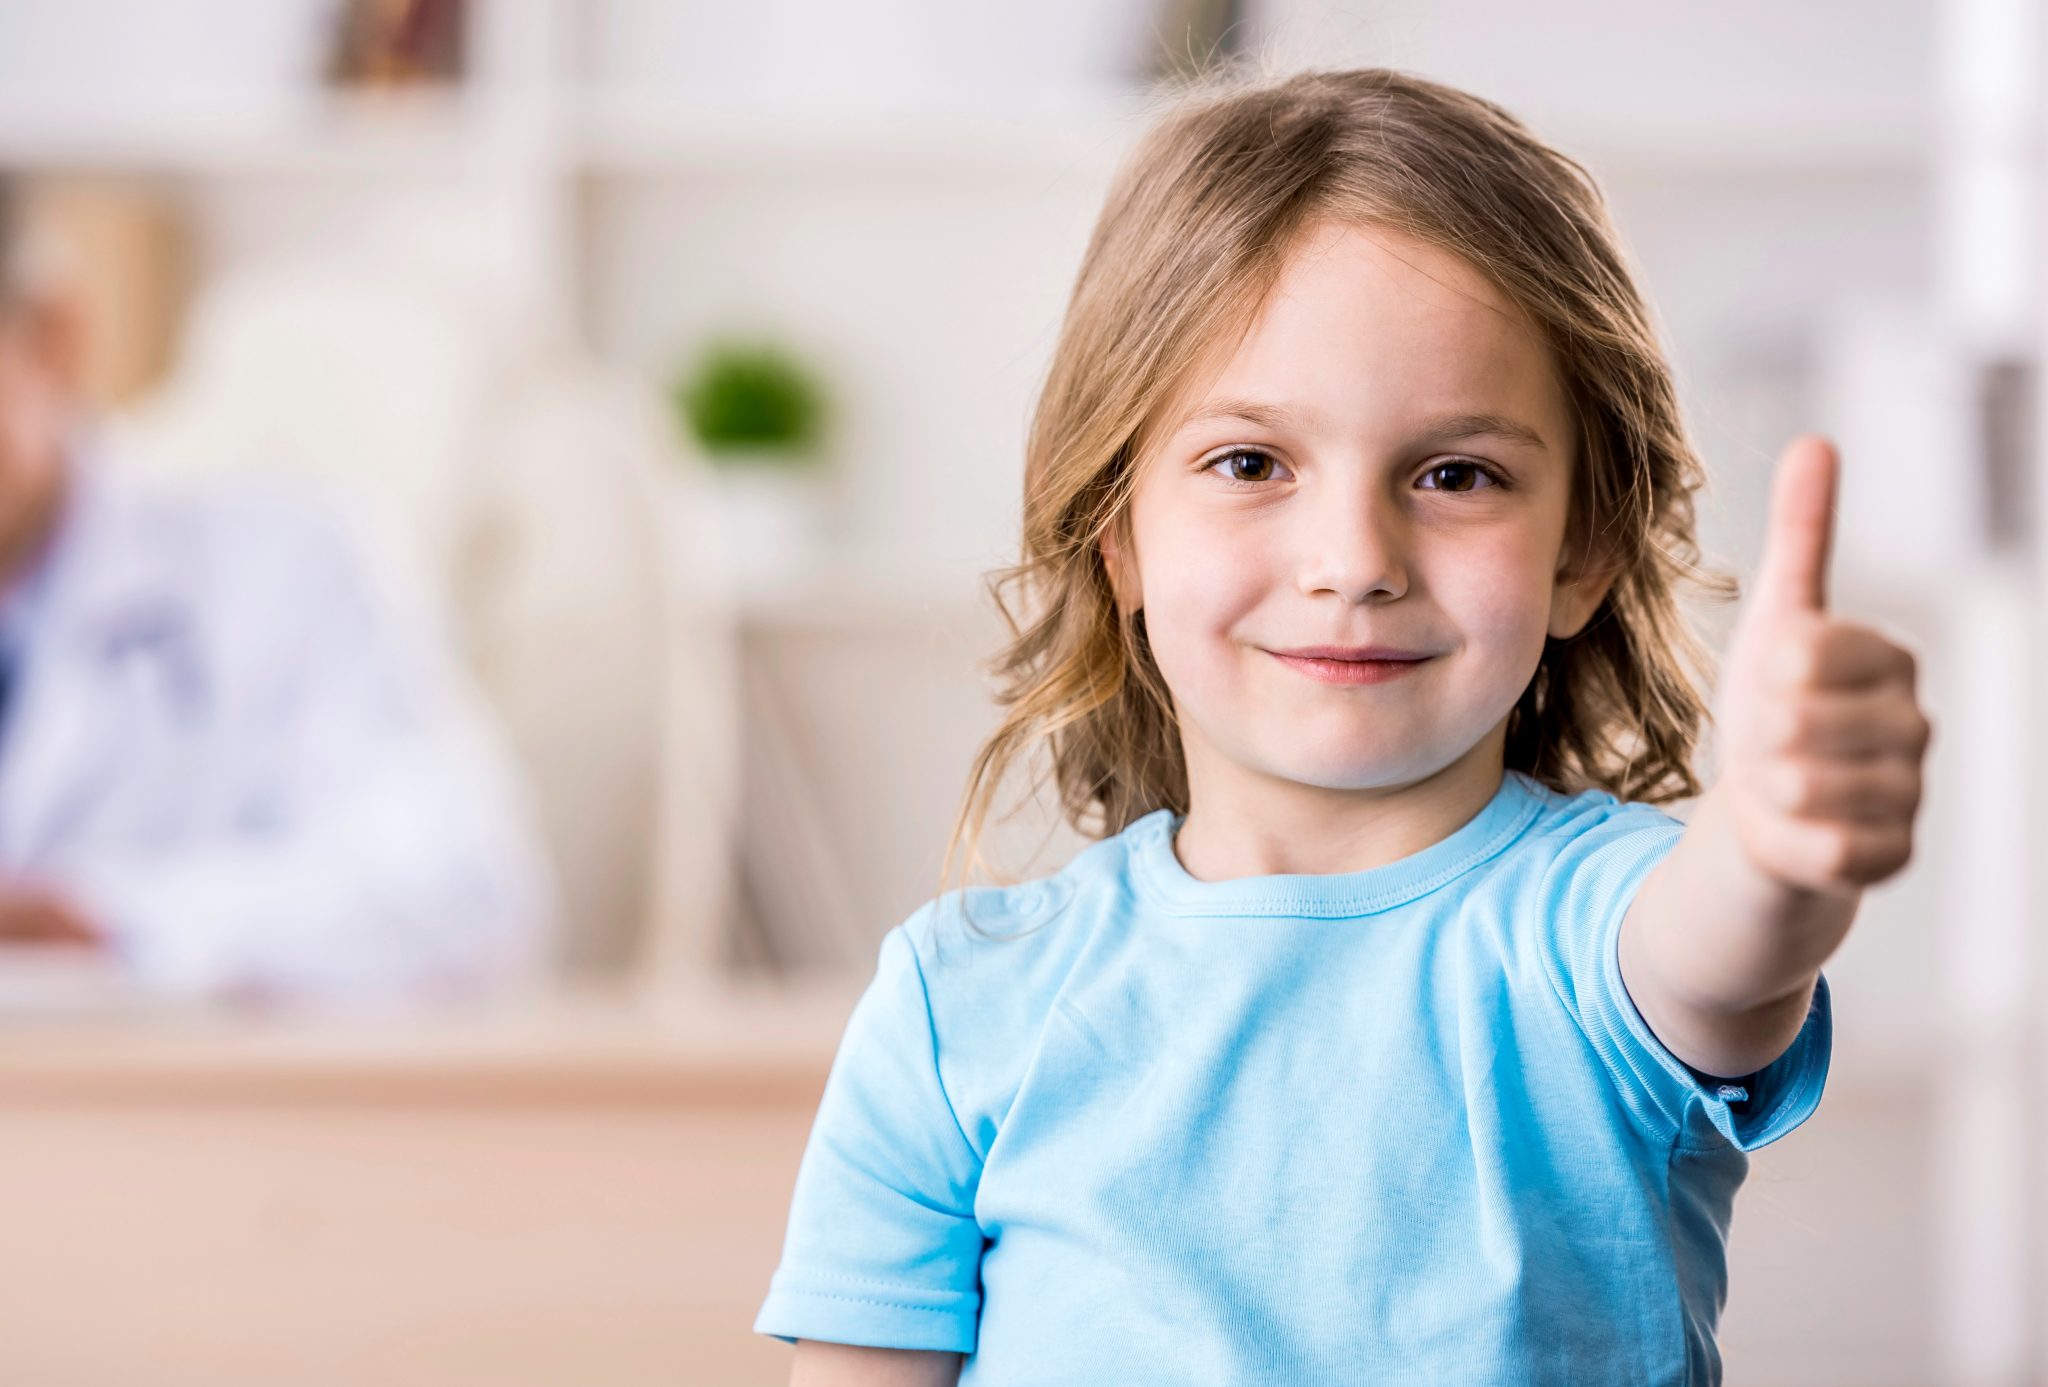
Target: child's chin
1356,768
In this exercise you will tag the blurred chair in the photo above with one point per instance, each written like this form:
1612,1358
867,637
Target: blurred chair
515,494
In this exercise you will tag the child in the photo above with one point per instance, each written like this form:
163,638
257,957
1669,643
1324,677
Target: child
1391,1033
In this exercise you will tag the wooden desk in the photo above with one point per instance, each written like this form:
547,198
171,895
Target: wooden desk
590,1191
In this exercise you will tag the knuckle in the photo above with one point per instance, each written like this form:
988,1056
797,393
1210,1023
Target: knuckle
1839,853
1908,659
1892,851
1876,854
1883,792
1923,732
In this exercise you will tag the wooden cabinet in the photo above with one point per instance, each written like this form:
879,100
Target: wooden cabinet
590,1195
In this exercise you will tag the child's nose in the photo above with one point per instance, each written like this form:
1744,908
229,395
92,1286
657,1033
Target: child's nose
1354,545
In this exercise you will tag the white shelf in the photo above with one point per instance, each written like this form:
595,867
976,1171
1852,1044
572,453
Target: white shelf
638,133
428,130
1738,146
319,132
622,132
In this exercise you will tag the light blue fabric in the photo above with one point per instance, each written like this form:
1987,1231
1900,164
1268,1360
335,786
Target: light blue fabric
1390,1126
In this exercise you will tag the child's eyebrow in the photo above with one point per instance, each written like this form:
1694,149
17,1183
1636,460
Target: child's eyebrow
1440,428
1445,427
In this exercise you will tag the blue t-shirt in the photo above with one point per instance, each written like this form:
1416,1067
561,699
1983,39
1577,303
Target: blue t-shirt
1395,1125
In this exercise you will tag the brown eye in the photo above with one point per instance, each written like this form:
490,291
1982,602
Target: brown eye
1472,472
1247,465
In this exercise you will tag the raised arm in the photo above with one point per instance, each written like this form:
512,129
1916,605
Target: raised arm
1822,741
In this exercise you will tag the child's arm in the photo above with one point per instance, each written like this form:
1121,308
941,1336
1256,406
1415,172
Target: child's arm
819,1364
1822,742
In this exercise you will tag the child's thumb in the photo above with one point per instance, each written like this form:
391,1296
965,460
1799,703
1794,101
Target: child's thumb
1799,533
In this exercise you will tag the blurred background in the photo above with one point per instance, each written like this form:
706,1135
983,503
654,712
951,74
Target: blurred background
672,361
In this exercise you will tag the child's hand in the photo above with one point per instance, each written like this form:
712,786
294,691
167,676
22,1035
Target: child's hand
1821,736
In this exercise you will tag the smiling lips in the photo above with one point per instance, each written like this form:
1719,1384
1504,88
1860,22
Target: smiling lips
1358,664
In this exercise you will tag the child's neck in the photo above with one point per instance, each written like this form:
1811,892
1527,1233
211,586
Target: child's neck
1241,824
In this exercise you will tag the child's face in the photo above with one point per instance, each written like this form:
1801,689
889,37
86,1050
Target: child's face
1357,517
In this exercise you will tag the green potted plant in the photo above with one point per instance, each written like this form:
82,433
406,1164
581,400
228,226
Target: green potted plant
758,416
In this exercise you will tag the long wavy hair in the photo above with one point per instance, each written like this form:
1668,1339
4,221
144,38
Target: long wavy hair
1194,234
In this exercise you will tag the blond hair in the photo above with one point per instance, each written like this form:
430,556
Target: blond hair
1194,234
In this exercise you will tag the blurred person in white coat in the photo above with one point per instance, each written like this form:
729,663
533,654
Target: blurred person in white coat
225,763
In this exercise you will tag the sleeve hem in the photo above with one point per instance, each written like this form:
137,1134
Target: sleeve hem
1791,1084
850,1317
1804,1067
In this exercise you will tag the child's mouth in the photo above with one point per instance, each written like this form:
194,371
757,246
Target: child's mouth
1329,670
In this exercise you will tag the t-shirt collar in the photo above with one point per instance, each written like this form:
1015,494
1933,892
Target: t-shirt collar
1168,885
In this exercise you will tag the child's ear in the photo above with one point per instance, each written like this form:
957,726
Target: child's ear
1123,575
1585,574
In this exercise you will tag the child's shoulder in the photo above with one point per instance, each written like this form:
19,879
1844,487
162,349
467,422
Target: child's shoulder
1036,922
992,962
999,957
1565,831
1586,850
1569,816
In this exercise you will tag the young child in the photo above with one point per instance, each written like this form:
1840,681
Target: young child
1390,1032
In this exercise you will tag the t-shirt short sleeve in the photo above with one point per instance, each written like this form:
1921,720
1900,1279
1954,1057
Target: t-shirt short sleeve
1587,892
883,1248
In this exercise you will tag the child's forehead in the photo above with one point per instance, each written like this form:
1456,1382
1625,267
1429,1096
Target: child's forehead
1387,256
1372,325
1369,289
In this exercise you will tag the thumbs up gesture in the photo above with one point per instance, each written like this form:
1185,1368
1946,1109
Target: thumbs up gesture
1821,735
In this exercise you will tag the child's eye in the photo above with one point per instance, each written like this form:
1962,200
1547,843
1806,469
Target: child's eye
1476,469
1248,466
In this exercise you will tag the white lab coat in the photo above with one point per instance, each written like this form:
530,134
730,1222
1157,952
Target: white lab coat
249,770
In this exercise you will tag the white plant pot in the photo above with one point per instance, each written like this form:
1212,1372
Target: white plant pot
773,518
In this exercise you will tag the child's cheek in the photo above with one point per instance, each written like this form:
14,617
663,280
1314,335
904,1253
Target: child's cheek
1498,601
1190,617
1201,602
